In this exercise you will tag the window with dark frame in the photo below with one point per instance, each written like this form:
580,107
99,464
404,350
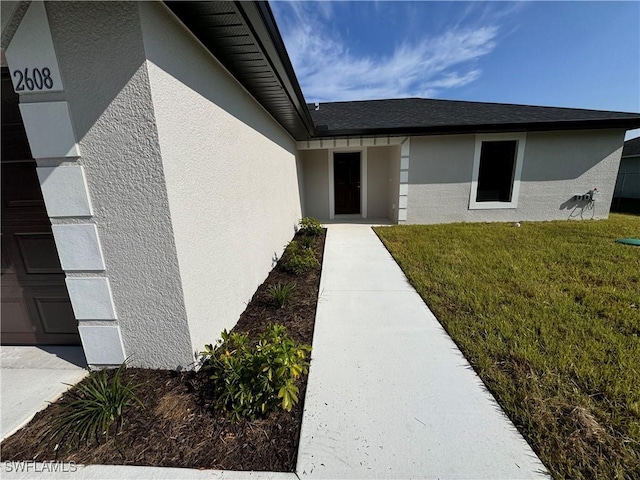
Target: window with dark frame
496,171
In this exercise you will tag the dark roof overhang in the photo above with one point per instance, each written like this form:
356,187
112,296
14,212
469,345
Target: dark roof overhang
244,37
480,128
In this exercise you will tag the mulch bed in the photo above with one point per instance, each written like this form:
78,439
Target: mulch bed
175,428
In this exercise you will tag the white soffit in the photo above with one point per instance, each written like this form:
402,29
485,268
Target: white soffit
91,298
30,55
48,126
65,191
78,247
102,344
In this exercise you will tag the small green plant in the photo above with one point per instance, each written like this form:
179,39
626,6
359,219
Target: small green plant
310,226
251,380
298,259
99,402
281,293
306,241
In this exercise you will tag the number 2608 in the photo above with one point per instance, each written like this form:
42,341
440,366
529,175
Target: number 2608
35,80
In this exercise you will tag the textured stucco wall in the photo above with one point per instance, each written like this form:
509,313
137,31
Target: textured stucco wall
231,175
556,166
315,173
7,8
102,61
378,180
394,185
383,170
11,14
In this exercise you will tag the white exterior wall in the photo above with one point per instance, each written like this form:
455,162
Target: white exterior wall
315,174
394,188
379,163
129,236
556,166
7,10
230,171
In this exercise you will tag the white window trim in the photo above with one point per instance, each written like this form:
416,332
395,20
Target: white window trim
363,180
521,138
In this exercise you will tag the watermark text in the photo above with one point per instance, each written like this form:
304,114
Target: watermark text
31,466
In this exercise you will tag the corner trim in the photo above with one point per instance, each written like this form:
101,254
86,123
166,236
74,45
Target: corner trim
403,193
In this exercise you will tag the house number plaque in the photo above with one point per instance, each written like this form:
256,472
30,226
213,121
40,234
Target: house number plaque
31,56
37,79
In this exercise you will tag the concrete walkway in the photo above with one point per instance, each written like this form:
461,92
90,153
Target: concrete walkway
389,393
31,377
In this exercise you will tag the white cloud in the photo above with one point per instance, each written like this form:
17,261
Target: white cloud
328,71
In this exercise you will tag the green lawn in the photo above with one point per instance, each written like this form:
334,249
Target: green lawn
548,314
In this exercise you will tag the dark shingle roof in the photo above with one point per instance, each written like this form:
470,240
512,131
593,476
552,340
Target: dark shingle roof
419,115
631,147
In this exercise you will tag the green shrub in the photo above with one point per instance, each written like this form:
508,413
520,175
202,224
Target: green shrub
306,241
251,380
310,226
281,293
99,402
299,259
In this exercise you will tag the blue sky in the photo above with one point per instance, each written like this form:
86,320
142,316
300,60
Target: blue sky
567,54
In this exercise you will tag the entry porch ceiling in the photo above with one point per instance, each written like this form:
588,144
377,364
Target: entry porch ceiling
244,37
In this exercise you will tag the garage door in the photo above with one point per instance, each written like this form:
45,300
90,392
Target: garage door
35,303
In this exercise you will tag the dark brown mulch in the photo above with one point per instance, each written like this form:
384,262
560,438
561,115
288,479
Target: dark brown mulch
175,429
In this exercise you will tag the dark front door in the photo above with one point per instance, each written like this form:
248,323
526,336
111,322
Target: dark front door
35,303
346,180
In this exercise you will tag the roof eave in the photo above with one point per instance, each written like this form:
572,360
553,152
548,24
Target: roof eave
276,89
485,128
260,19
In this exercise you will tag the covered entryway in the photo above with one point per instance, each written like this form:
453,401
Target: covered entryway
35,304
346,170
355,179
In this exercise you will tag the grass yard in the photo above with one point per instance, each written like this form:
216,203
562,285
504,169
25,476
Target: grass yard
548,314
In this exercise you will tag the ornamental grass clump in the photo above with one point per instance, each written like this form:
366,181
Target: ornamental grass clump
250,380
281,293
99,402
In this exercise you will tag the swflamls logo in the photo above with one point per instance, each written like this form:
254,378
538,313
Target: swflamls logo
31,466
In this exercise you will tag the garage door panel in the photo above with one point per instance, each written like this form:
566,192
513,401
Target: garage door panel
20,185
35,303
6,266
56,315
15,316
38,253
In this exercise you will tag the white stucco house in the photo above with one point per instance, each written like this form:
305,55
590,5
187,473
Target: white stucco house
156,156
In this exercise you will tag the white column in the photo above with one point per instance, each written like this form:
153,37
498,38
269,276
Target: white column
405,149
